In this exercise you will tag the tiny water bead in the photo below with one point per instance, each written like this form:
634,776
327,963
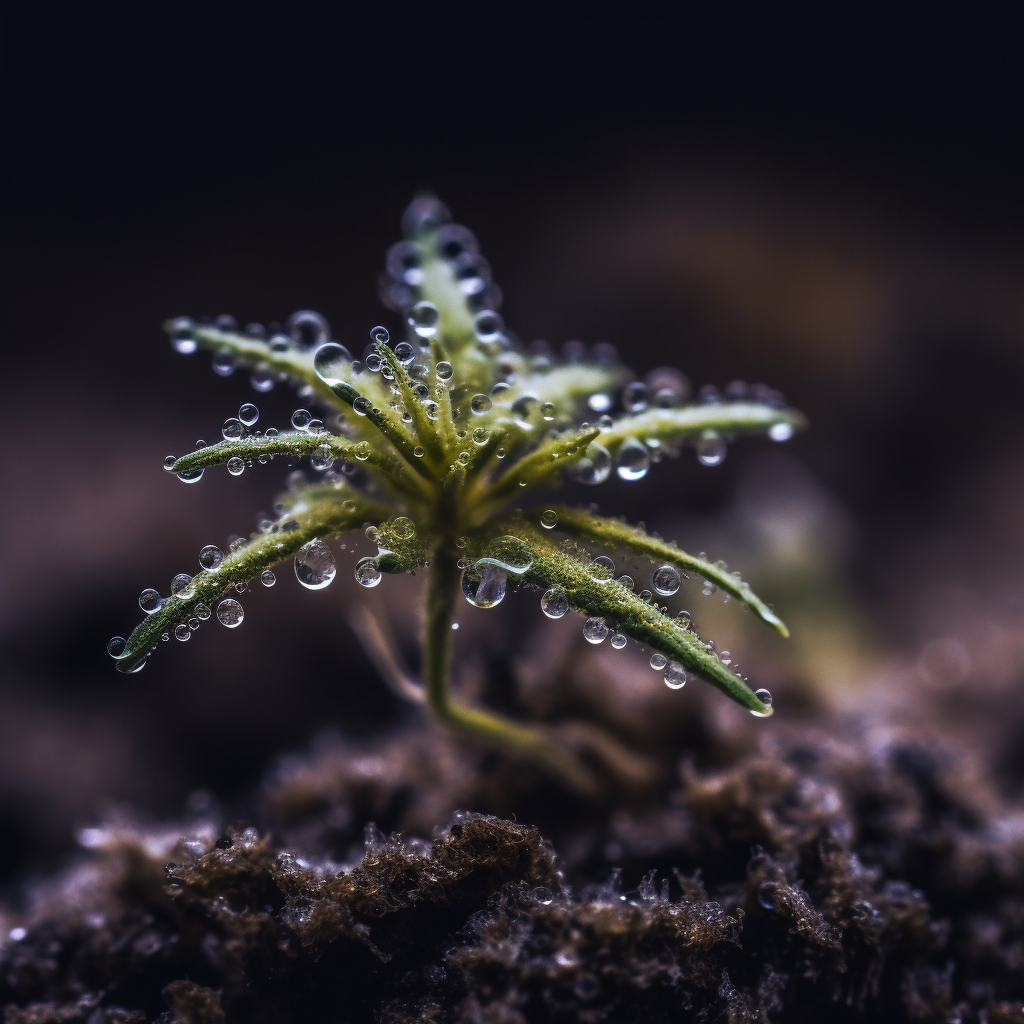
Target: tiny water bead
548,411
488,589
210,557
236,467
418,451
301,419
480,435
684,618
362,450
332,362
617,640
169,462
267,578
361,405
675,676
403,528
765,697
632,460
626,581
307,328
203,612
150,601
488,325
444,370
183,586
230,613
480,404
117,646
780,431
322,459
549,519
595,467
635,397
601,569
232,429
666,580
658,661
248,414
182,632
366,572
423,318
315,566
710,449
463,458
555,603
595,630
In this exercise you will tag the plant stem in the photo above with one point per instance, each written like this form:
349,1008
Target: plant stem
442,589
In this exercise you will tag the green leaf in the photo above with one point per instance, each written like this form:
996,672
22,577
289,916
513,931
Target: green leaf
614,534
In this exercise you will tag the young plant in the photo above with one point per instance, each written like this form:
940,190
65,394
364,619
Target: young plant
435,437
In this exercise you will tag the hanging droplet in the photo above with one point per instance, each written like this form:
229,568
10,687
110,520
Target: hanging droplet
169,462
617,640
183,586
632,460
366,572
675,676
780,431
190,476
710,449
322,458
595,466
595,630
635,396
548,411
182,632
117,646
203,612
232,429
488,589
230,613
210,557
403,528
549,519
380,335
236,467
666,580
307,328
658,661
423,318
315,567
224,362
601,569
555,603
765,697
267,578
444,370
333,363
150,601
599,402
479,404
248,414
626,581
500,453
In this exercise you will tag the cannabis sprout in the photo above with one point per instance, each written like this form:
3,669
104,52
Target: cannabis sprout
425,444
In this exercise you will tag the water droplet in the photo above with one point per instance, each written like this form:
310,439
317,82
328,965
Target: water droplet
418,452
210,557
224,362
236,466
488,326
423,318
191,476
549,519
248,414
596,465
780,431
605,422
500,389
361,405
307,328
362,450
548,411
632,460
555,603
595,630
480,404
658,661
765,697
182,632
314,565
710,449
635,396
500,453
267,578
488,589
684,619
675,676
183,586
463,458
404,353
444,370
380,335
599,402
193,623
150,601
322,458
480,435
117,647
403,528
332,362
230,613
366,572
601,569
203,612
666,580
373,362
233,429
617,640
169,462
626,581
262,378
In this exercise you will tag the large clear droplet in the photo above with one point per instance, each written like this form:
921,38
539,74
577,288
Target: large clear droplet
666,580
488,589
315,567
555,603
182,632
248,414
601,569
267,578
232,429
423,318
765,697
595,630
675,676
183,586
191,476
405,353
549,519
117,647
596,465
210,557
230,613
333,363
444,370
488,325
403,527
307,329
658,661
632,460
236,467
617,640
366,572
480,404
150,601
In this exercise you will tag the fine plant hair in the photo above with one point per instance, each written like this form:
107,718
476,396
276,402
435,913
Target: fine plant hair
429,444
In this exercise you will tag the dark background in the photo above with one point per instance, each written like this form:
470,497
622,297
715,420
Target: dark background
827,198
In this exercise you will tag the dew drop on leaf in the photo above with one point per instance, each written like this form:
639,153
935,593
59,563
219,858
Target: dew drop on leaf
169,462
488,589
599,402
423,318
210,557
666,580
549,519
191,476
684,618
248,414
362,451
315,567
595,630
267,578
675,676
117,647
183,586
307,328
418,451
765,697
332,363
555,603
601,569
595,466
488,325
150,601
617,640
479,404
232,429
182,632
366,572
224,363
403,527
230,613
380,335
444,370
236,467
632,460
361,405
780,431
262,378
548,411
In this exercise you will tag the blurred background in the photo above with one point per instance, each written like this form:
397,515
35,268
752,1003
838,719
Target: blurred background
825,200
